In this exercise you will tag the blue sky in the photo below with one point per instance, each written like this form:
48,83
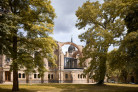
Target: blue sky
66,20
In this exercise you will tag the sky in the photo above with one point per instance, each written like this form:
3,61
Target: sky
65,22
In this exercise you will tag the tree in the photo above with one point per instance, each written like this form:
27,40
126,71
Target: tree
126,55
25,29
104,27
129,45
131,16
117,65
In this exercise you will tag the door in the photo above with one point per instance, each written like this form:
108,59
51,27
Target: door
7,76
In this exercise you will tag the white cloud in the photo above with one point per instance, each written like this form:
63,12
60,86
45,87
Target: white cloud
66,20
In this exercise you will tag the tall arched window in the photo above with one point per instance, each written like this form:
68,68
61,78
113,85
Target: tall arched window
23,75
19,75
84,76
48,76
78,76
38,75
34,75
51,76
81,76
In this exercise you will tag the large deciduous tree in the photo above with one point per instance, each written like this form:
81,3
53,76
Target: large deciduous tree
104,27
25,26
127,54
130,43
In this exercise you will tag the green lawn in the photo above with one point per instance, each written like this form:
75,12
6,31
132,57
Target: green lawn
73,88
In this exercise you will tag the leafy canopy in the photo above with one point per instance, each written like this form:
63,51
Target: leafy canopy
31,22
126,55
104,27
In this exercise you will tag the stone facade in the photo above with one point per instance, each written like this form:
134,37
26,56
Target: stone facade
67,71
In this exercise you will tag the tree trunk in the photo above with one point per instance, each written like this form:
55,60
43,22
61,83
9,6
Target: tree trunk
88,78
117,78
27,78
136,76
15,64
42,79
102,70
15,81
124,76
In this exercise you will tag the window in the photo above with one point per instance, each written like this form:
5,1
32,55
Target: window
48,76
81,76
19,75
51,76
84,76
34,75
23,75
7,59
38,75
66,76
78,76
70,63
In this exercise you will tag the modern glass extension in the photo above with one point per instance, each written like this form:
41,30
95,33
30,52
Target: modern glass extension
71,63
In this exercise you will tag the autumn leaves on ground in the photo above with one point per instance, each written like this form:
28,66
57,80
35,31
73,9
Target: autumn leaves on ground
73,88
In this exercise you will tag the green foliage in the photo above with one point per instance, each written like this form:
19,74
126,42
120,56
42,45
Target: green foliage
104,27
126,55
6,25
131,17
33,21
115,64
125,58
24,29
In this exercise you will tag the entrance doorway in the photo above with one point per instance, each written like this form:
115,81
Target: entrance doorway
7,76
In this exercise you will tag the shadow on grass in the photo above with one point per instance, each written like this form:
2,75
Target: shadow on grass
92,88
21,90
73,88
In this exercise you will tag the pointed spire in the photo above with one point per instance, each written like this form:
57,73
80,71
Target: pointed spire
71,39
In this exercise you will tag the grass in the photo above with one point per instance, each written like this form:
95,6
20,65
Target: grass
53,87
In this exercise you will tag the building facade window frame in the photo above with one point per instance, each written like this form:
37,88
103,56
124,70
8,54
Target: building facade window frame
38,75
19,75
35,76
81,76
66,76
23,75
78,76
52,76
7,59
48,76
84,76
